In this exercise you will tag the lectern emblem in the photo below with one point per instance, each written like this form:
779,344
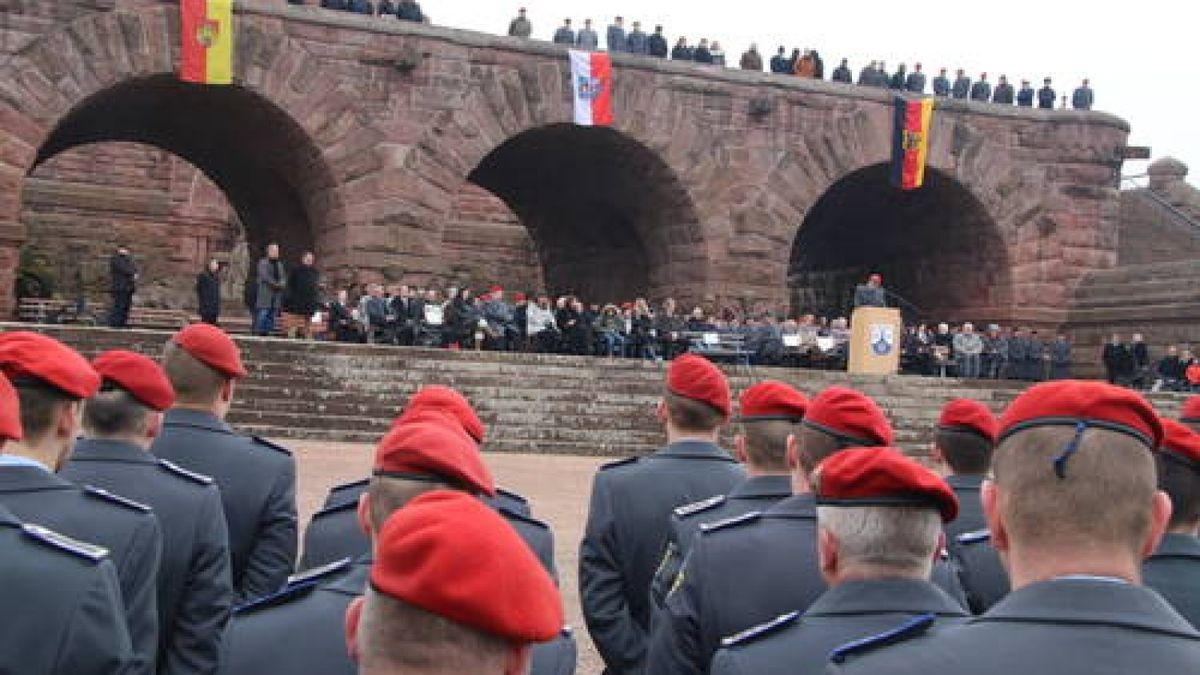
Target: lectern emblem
883,338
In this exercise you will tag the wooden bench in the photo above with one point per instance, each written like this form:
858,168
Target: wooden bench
719,346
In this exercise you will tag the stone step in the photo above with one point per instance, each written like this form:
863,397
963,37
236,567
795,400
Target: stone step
1180,269
1106,298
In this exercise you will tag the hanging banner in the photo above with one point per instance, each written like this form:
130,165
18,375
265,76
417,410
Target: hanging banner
910,142
206,30
591,80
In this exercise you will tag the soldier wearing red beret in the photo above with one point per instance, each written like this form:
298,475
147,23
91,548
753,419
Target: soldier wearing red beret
869,500
452,590
256,477
631,506
963,446
1174,568
1073,509
769,416
52,380
747,570
195,591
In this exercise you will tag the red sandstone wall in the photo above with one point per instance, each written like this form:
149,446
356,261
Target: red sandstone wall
80,204
484,243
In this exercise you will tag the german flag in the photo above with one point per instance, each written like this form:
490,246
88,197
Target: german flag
910,142
206,29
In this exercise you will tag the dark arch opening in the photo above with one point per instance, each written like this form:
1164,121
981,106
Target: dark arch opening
608,217
271,172
937,248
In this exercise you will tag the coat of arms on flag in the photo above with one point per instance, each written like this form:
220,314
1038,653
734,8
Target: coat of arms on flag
206,33
591,73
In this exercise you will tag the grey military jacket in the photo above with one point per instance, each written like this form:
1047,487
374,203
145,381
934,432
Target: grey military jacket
1174,571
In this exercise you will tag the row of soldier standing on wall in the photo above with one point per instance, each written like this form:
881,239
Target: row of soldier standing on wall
1068,525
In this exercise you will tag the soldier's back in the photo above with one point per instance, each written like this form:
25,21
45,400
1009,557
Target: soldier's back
801,642
1068,626
1174,572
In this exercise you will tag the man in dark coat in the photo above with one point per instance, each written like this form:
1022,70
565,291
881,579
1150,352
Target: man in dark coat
1140,375
1026,95
963,446
915,82
657,43
1003,95
1082,97
1174,568
1060,358
871,294
1036,359
1117,360
769,414
587,38
208,293
637,40
840,74
1073,507
981,90
631,505
124,275
303,297
941,84
195,592
257,478
962,85
1018,354
1046,96
747,570
410,10
68,594
564,35
868,500
51,381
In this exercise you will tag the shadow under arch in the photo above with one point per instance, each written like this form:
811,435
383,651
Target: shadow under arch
937,247
267,166
609,219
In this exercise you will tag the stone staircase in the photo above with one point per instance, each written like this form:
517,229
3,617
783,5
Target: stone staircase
531,403
1160,300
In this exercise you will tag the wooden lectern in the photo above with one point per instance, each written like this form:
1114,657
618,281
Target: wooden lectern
876,337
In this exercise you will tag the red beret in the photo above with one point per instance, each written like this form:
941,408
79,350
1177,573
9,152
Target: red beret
138,375
518,297
495,289
433,447
1181,441
448,554
212,347
876,278
1191,410
881,477
445,399
964,414
772,400
10,412
25,355
850,415
695,377
1083,404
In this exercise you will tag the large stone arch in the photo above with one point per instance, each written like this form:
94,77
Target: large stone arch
101,77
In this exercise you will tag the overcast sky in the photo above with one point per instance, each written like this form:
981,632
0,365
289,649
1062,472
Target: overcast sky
1135,54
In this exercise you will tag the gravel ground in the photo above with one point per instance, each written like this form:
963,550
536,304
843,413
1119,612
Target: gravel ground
558,488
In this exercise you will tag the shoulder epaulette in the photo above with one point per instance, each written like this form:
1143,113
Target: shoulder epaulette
64,543
511,495
699,507
705,528
975,537
360,483
289,593
517,515
755,632
619,462
271,444
320,573
184,473
336,508
914,627
116,499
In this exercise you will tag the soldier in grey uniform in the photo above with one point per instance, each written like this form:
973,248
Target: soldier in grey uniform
1018,355
1036,359
637,40
981,90
769,413
963,446
195,592
1174,568
868,500
747,570
1060,358
962,85
51,381
941,84
631,505
587,38
614,37
72,620
1073,507
257,478
564,35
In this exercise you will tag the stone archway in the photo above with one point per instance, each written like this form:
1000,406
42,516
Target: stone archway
938,248
606,215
